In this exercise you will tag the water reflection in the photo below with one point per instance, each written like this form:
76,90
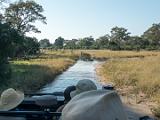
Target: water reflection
81,70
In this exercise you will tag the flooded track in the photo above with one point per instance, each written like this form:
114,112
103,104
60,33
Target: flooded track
81,70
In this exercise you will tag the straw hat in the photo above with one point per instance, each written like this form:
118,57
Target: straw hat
83,86
94,105
10,99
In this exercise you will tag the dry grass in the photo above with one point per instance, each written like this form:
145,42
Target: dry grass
98,54
135,76
72,54
143,74
103,54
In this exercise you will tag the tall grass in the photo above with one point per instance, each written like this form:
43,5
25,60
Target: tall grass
137,76
141,73
97,54
31,75
104,54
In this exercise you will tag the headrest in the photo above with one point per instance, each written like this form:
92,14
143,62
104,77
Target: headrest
46,100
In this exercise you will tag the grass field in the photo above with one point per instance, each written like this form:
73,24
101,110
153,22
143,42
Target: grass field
138,76
105,54
99,54
31,75
137,72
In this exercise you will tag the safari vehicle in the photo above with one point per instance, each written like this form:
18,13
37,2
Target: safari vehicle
39,106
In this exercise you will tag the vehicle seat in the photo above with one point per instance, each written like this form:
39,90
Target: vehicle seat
45,100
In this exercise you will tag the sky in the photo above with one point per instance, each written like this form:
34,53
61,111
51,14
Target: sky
83,18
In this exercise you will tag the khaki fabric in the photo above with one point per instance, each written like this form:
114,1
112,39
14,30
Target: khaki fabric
83,86
95,105
10,99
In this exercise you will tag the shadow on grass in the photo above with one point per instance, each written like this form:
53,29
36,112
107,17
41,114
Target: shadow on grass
29,78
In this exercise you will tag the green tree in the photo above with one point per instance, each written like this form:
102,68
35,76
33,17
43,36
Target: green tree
136,43
86,42
44,43
103,41
70,45
8,37
59,42
21,16
31,46
119,36
153,36
1,9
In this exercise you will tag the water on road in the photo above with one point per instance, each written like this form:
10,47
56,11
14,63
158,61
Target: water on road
81,70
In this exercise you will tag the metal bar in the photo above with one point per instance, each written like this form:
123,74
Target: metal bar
39,94
25,113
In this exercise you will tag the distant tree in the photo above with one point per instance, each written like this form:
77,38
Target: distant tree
70,45
21,16
136,43
44,43
59,42
103,41
153,36
86,42
119,36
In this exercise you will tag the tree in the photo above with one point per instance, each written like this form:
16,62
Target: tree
59,42
86,42
44,43
31,46
136,43
103,41
2,8
8,36
119,36
153,35
70,44
21,16
2,1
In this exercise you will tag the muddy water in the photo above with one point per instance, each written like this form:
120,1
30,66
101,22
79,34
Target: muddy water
81,70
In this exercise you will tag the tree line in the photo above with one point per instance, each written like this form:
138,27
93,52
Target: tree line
119,39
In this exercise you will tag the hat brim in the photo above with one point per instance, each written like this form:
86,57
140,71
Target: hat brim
76,92
16,102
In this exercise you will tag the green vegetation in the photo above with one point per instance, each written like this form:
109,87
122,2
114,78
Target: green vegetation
6,33
31,75
21,16
16,20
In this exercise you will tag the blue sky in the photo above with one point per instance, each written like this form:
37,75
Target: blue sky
82,18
